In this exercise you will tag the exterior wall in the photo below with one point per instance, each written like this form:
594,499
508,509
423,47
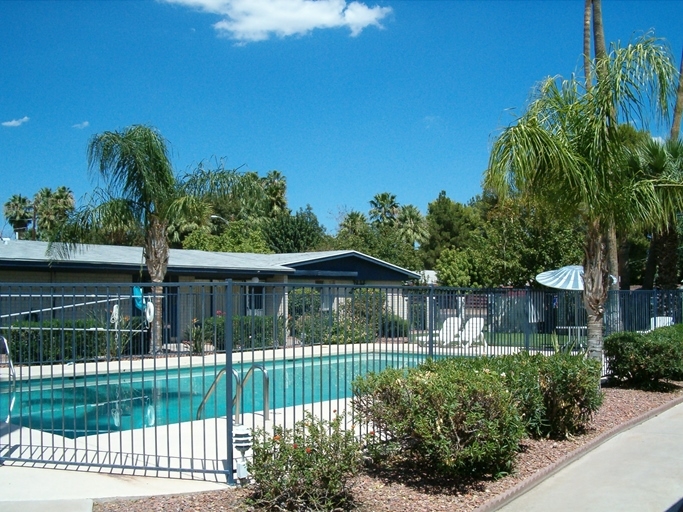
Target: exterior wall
42,296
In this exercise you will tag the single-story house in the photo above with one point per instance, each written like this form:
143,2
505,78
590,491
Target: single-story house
268,278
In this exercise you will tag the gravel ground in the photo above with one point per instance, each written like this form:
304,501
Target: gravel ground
402,491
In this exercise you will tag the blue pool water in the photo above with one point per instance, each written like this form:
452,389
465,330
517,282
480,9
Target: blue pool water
81,406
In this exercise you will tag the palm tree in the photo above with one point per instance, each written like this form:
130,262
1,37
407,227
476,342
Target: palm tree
661,160
564,150
232,195
275,187
17,211
663,251
384,209
678,108
412,225
354,222
51,210
140,199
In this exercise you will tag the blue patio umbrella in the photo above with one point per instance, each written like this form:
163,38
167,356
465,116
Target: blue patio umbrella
565,278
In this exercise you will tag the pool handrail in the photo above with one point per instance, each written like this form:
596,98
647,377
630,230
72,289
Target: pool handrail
266,392
212,388
237,401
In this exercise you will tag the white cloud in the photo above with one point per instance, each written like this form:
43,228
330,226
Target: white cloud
256,20
16,122
82,125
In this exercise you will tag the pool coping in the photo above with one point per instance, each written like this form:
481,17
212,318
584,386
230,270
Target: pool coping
174,360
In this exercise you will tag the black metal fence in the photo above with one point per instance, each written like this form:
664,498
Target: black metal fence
148,379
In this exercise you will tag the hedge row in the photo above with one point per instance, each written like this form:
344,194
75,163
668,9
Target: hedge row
55,341
467,416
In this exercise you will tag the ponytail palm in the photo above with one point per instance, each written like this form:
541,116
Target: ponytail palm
565,151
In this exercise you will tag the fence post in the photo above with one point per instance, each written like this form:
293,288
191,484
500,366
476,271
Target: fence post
527,322
228,378
432,318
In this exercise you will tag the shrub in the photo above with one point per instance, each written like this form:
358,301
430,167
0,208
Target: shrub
55,341
307,468
393,326
456,420
521,375
643,360
556,395
570,385
366,307
330,329
303,301
248,332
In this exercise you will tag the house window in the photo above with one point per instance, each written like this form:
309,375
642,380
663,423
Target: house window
254,300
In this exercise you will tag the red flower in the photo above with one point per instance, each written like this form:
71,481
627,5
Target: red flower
308,450
295,446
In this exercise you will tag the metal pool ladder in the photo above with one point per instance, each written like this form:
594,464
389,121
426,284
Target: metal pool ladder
13,376
237,401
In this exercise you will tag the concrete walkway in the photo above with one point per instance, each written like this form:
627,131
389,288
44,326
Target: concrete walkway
639,470
29,489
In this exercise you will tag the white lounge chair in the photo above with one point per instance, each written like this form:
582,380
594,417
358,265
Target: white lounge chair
448,332
472,333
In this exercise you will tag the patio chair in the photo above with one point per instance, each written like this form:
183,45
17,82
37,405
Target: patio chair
448,332
659,321
471,334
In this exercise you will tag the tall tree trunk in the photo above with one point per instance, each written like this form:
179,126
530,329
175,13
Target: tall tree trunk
667,261
613,257
588,5
156,256
651,263
595,286
599,34
678,107
624,265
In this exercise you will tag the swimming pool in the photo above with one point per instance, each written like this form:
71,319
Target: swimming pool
80,406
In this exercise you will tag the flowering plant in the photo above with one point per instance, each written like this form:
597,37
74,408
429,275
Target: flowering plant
307,468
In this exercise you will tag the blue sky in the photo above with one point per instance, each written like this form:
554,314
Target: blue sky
347,100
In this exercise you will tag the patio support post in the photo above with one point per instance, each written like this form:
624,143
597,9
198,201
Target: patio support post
228,380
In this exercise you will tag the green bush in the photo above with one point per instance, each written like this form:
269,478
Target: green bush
556,394
456,420
248,332
643,360
393,326
307,468
328,328
571,392
552,396
303,301
521,375
56,341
